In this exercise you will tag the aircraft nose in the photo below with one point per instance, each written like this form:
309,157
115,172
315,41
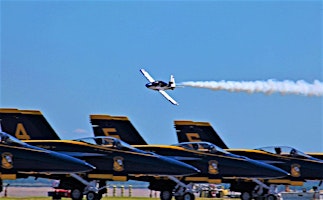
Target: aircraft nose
62,163
263,170
174,167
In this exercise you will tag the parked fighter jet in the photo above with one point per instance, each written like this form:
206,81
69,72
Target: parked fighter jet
113,159
160,86
216,165
20,160
300,165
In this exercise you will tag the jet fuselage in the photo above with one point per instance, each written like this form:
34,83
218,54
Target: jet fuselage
21,158
300,168
215,167
116,164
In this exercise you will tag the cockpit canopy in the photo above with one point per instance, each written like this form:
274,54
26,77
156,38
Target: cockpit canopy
285,151
110,142
202,147
5,138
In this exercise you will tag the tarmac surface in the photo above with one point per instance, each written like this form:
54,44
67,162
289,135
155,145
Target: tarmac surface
43,191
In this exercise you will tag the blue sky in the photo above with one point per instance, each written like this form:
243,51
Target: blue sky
70,59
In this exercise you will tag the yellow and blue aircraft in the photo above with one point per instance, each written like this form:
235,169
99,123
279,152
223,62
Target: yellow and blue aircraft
216,165
21,160
114,160
301,166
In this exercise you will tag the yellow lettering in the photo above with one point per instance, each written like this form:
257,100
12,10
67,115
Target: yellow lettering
108,131
193,137
21,132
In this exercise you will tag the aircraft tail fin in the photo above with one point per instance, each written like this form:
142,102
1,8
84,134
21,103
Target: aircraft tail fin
171,82
26,124
190,131
116,126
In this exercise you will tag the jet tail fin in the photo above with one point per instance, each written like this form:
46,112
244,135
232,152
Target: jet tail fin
116,126
26,124
171,82
190,131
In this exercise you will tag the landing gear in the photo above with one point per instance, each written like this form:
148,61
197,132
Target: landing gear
76,193
260,191
245,196
188,196
166,195
271,197
173,187
91,196
79,186
182,191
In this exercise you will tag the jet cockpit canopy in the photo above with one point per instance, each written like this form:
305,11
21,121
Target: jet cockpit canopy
5,138
285,151
110,142
203,147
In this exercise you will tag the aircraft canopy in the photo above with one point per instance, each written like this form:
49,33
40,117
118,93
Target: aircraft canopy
285,151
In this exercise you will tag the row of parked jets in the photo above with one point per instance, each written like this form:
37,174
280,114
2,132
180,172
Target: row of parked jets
117,152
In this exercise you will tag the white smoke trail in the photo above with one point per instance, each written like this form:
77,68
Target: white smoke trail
270,86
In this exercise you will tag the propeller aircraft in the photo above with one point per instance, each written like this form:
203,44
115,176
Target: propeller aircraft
160,86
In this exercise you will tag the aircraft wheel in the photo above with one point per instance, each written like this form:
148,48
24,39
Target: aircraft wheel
166,195
188,196
91,196
271,197
245,196
77,194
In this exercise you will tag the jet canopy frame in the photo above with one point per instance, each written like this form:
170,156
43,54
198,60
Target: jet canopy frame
5,138
110,142
285,151
203,147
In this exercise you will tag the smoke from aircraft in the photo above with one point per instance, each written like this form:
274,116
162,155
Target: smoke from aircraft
270,86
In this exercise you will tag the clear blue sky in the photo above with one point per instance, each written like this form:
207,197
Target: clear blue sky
70,59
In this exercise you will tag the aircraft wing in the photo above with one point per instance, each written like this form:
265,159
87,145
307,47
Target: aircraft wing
148,77
168,97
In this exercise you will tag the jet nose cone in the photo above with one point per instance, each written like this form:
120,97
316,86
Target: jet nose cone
68,164
177,168
267,171
87,167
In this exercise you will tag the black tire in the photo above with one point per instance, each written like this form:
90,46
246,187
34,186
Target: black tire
271,197
91,196
245,196
166,195
77,194
188,196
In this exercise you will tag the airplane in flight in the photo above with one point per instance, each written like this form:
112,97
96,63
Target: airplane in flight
114,160
160,86
215,164
21,160
301,166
